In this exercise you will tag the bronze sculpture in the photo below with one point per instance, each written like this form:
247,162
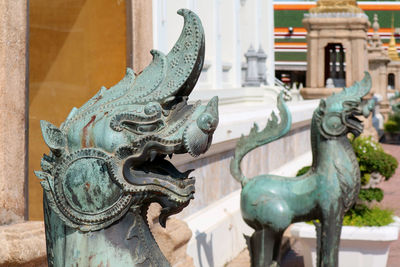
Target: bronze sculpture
270,203
107,161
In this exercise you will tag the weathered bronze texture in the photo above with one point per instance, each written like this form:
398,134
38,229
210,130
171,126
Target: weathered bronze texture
107,161
270,203
394,104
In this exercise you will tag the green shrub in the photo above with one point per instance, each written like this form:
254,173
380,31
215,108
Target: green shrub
395,117
362,215
391,126
303,170
365,178
364,144
377,161
372,158
371,194
393,123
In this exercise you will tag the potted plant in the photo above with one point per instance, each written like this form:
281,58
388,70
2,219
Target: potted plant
367,229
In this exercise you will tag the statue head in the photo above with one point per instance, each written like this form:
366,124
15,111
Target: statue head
337,115
111,154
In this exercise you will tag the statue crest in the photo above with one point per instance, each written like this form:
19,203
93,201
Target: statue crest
108,160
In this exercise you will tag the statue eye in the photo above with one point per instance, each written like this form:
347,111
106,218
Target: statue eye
204,121
332,124
143,128
350,104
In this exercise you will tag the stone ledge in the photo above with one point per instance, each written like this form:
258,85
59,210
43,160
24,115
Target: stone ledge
23,244
316,93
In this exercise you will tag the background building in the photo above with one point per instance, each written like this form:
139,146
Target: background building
290,34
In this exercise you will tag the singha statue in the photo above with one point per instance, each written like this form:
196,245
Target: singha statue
270,203
107,161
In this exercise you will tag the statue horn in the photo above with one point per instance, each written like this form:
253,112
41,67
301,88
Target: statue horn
365,84
358,89
176,73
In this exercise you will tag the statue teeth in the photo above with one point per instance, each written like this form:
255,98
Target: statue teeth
153,155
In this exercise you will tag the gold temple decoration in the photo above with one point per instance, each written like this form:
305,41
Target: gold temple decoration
336,6
392,49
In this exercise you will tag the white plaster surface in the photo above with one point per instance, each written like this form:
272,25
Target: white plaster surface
359,246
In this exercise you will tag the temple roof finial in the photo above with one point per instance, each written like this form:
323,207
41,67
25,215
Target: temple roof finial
331,6
392,49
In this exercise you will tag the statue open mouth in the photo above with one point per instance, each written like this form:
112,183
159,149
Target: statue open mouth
355,110
160,175
158,180
354,124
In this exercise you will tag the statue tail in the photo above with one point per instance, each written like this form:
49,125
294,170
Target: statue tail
271,132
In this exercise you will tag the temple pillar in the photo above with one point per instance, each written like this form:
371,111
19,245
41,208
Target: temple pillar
22,242
13,111
139,33
378,70
378,67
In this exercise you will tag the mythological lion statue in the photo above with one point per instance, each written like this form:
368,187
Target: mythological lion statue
107,161
270,203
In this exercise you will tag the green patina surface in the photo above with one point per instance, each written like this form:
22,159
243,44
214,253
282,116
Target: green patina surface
107,161
270,203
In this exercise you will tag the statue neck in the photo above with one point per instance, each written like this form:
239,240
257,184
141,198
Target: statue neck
127,242
323,150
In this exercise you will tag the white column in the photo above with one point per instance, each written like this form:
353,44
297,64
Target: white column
192,5
257,17
160,38
217,62
237,60
270,49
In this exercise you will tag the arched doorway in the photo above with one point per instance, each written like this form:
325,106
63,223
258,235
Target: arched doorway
334,64
391,81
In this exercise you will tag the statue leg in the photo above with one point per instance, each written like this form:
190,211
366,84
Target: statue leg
331,227
265,247
318,231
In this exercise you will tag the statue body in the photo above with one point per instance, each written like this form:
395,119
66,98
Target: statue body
108,160
270,203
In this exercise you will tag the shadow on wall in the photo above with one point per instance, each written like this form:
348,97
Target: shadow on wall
207,247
